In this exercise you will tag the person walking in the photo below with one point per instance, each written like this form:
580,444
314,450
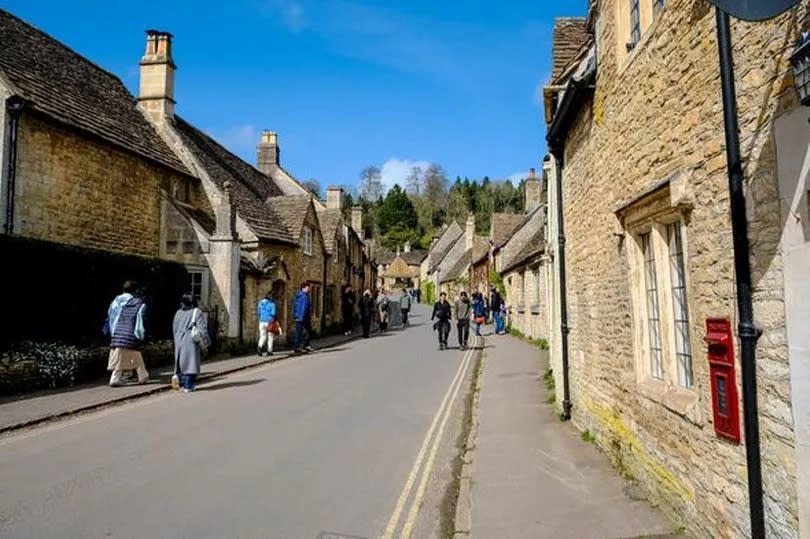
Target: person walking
267,317
347,309
405,306
302,311
190,330
479,313
463,311
366,312
496,305
383,306
126,327
442,313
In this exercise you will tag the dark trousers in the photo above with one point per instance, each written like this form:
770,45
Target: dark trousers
405,316
347,321
302,334
189,381
463,332
443,329
366,326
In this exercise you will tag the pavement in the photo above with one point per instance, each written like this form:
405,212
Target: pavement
30,409
353,441
531,475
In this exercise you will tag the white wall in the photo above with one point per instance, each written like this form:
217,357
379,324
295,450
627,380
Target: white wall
793,153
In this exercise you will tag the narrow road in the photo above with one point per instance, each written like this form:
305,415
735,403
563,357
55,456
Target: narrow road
324,444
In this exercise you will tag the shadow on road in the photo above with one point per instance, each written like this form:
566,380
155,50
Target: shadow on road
229,385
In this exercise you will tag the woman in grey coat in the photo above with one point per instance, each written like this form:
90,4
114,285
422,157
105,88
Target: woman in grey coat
188,352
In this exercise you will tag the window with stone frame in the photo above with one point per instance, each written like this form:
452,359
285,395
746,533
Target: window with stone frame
197,284
307,241
660,280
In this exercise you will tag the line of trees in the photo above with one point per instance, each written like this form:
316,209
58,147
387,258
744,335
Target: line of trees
428,200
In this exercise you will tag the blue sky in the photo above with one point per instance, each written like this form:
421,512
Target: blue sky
347,83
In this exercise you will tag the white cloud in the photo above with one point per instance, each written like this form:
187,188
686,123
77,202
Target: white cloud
517,177
396,171
289,12
240,139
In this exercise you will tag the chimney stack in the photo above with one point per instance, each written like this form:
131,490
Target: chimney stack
407,247
357,221
156,96
268,152
334,198
531,192
469,235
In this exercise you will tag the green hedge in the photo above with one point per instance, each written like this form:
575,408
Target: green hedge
57,293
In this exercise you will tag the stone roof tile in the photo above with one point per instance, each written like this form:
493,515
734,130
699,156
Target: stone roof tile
65,86
570,35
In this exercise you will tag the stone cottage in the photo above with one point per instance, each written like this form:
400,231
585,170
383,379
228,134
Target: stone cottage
453,269
501,227
635,127
521,260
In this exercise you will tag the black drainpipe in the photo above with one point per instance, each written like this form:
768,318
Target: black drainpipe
748,332
566,403
14,106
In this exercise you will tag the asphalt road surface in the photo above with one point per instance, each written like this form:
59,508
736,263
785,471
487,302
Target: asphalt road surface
334,444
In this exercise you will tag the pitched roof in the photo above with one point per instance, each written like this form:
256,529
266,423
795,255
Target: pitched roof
458,268
384,256
330,221
292,210
480,248
250,188
446,240
570,34
503,225
399,269
57,82
532,248
414,258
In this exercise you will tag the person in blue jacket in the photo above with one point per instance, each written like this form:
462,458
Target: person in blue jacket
302,312
479,309
267,315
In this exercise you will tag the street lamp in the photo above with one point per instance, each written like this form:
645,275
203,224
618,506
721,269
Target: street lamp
801,69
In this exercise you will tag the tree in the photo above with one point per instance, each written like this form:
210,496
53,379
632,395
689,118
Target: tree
435,195
396,211
415,181
371,187
313,186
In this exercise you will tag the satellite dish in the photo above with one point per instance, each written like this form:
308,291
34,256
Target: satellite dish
754,10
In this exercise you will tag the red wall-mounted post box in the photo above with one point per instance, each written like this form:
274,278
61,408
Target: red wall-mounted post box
723,377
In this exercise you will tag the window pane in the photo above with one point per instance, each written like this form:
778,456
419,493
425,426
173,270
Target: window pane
635,22
653,310
683,346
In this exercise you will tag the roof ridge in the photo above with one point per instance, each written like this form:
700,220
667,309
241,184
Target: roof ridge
68,49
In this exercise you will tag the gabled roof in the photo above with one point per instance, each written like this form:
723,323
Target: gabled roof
399,269
570,34
330,223
384,256
414,258
480,248
533,247
250,188
503,225
443,245
61,84
292,210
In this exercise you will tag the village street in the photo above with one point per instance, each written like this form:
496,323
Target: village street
321,443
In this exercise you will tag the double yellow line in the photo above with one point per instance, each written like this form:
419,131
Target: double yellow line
430,443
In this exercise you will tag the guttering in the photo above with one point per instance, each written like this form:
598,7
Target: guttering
577,92
14,106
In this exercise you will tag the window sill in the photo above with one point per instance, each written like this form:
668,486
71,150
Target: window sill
678,400
535,309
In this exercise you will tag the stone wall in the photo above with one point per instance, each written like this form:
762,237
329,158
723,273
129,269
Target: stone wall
529,305
658,112
74,190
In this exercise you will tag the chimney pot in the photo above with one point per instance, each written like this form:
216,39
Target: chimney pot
532,173
357,221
